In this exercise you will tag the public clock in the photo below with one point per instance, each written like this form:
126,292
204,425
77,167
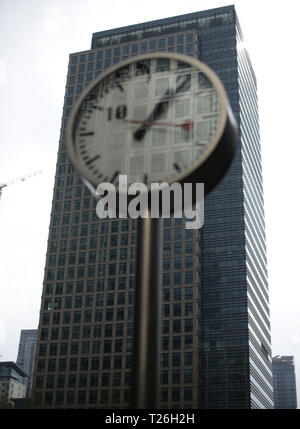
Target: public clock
157,117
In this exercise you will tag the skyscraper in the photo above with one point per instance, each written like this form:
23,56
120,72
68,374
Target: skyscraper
26,354
285,394
215,345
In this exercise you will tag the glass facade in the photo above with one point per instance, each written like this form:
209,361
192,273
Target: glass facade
235,354
285,392
215,340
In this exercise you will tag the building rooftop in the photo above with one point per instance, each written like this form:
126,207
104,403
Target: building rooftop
12,365
283,359
175,18
159,22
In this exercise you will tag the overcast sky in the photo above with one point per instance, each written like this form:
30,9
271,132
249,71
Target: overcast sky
36,37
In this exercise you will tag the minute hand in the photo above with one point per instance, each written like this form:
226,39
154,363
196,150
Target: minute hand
160,108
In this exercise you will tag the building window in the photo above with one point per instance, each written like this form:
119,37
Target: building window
61,381
51,365
188,325
81,397
165,359
188,376
72,367
43,350
70,397
171,41
187,394
166,279
189,48
176,394
180,39
74,59
166,294
177,278
106,362
189,38
50,382
166,264
144,47
176,326
134,49
164,377
176,376
152,45
161,44
165,343
108,330
165,326
188,358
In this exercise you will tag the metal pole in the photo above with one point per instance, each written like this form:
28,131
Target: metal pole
146,345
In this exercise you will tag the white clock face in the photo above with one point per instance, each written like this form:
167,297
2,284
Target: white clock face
152,118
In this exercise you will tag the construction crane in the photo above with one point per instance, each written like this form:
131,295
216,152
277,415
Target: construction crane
19,179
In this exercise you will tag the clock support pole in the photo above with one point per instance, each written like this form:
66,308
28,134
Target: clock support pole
146,346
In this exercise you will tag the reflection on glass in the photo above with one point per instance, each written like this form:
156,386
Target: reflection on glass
182,108
204,130
181,157
141,90
183,83
182,65
158,162
205,103
142,67
159,136
163,64
182,135
136,164
203,81
162,85
139,113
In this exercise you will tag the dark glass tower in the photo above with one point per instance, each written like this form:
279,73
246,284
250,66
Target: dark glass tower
215,347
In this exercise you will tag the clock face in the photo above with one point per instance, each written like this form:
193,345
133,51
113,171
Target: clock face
154,118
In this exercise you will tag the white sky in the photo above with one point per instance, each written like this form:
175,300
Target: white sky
36,37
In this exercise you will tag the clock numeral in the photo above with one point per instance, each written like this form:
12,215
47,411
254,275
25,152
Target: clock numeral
88,133
120,113
177,167
91,160
94,106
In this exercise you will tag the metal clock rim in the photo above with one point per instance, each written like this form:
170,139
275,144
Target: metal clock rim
189,171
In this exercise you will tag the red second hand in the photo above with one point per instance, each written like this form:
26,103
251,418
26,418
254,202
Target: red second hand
185,126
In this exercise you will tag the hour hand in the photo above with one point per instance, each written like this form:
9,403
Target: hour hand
157,112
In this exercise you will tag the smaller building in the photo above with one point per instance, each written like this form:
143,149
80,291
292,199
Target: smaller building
12,381
26,355
284,380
